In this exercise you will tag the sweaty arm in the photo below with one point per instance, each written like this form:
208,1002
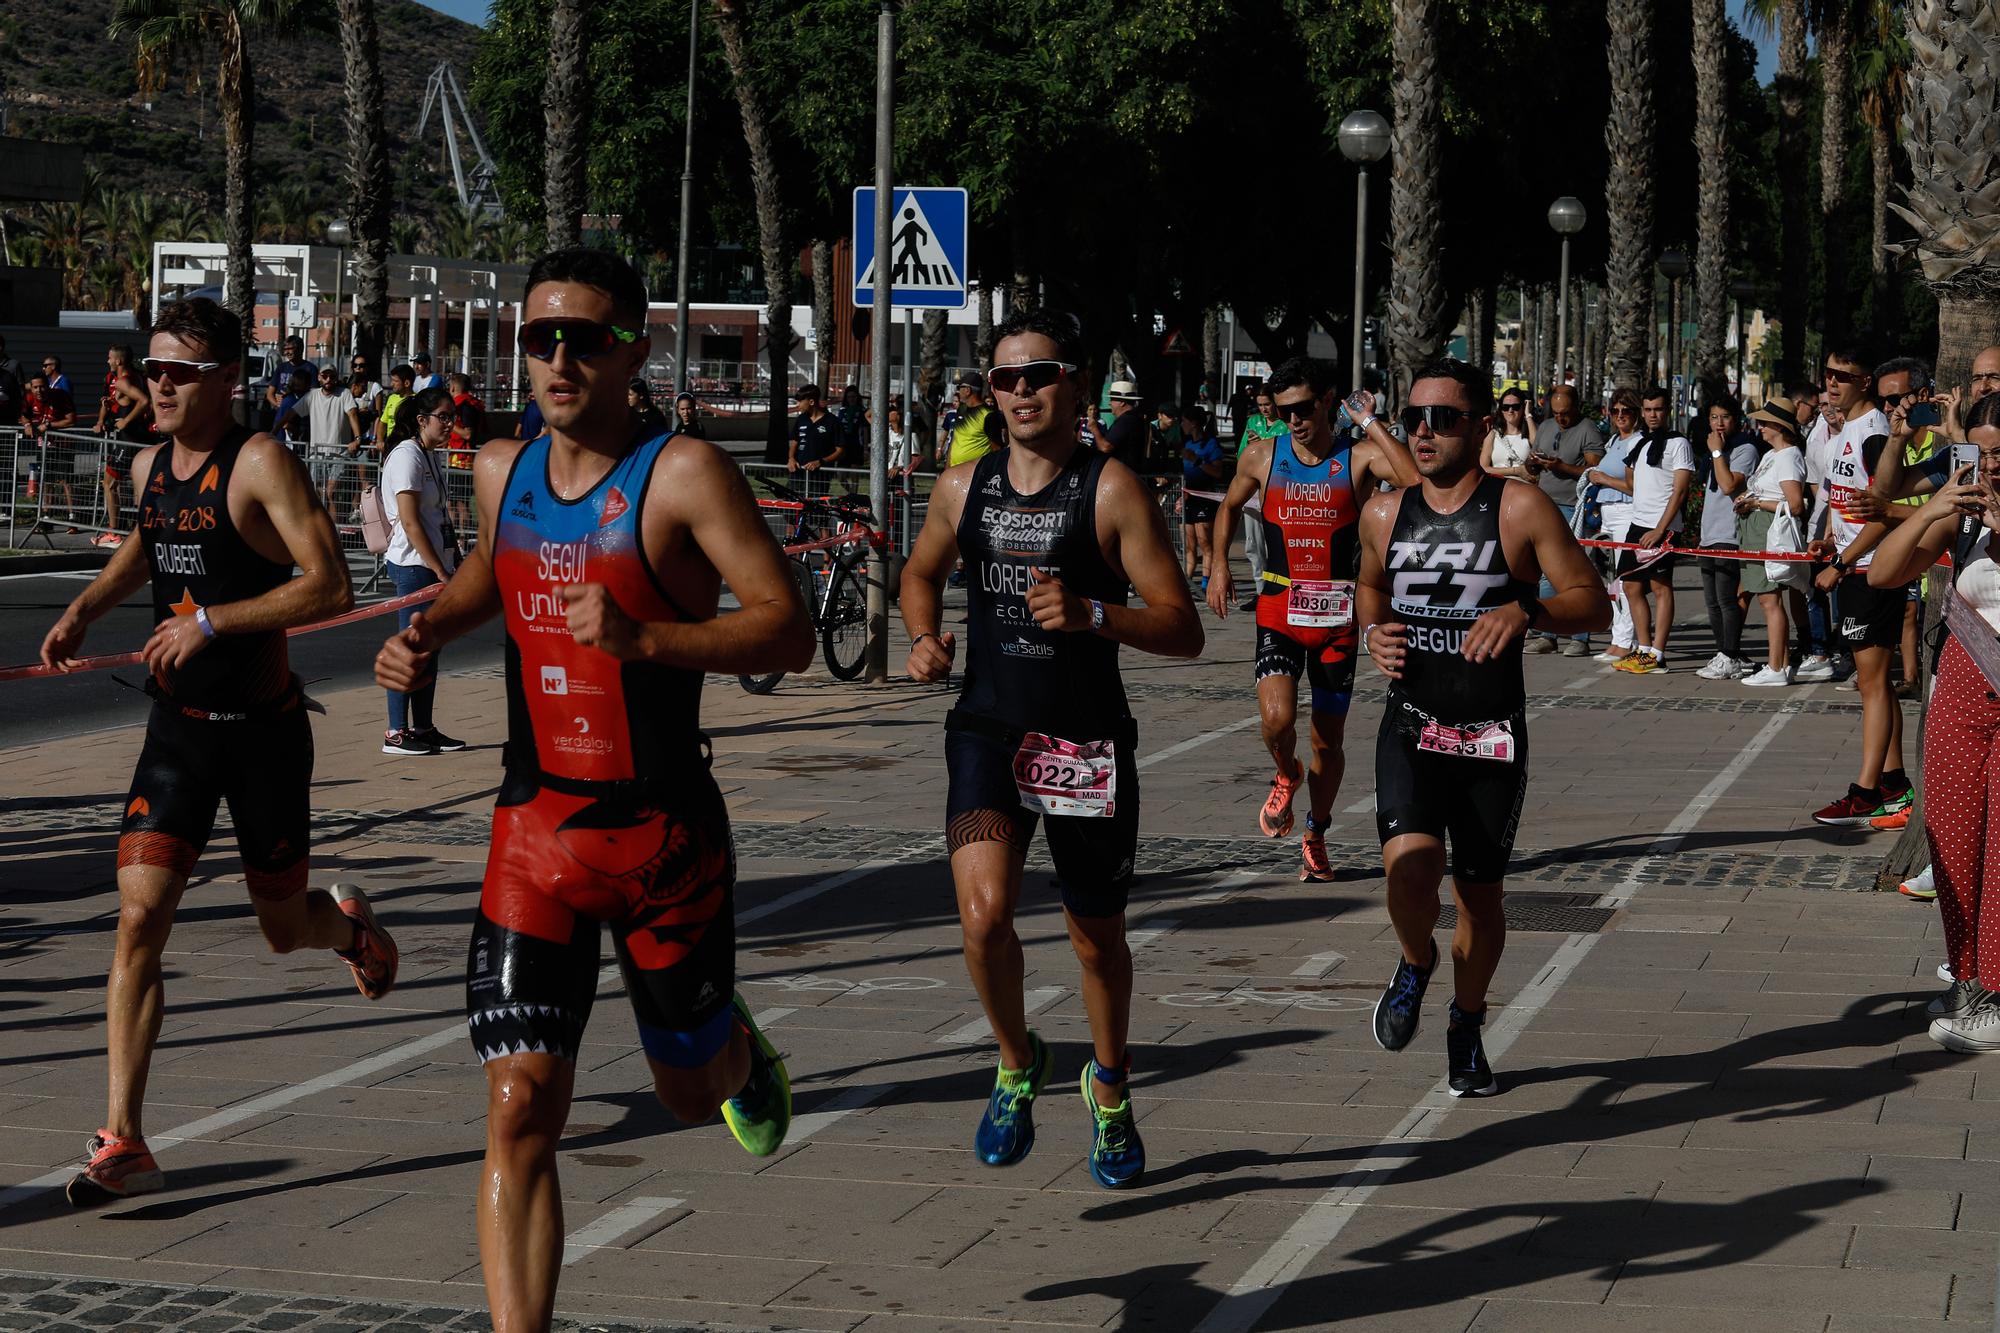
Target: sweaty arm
1389,459
278,486
1386,638
1580,605
124,575
921,596
1166,623
1254,462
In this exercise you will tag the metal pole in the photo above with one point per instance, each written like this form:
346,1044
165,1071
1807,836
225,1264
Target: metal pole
878,454
1562,315
333,339
1741,390
681,339
1360,264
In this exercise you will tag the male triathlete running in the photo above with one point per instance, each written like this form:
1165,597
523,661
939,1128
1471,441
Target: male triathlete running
604,549
1052,532
1312,485
224,515
1449,572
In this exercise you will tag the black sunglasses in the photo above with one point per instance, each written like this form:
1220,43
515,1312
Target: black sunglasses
1438,416
1300,411
584,338
1027,377
1510,407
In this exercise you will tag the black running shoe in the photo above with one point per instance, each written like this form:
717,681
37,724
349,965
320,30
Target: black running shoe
437,740
406,742
1401,1006
1465,1055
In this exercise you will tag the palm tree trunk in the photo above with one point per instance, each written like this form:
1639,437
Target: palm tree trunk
1416,273
1628,192
367,177
982,340
236,91
1711,148
772,251
566,104
823,330
937,324
1211,356
1021,283
1794,263
1480,325
1836,73
1887,306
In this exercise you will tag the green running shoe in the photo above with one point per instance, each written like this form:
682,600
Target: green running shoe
1007,1130
760,1114
1117,1156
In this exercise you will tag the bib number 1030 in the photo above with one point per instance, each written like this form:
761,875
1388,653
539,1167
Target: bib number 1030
1059,777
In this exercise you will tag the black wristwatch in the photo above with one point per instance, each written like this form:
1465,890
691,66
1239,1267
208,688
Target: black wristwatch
1839,565
1531,606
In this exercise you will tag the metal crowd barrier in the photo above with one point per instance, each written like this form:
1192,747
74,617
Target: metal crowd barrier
58,485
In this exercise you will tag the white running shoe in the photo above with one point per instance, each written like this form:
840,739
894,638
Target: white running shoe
1921,886
1813,669
1945,973
1976,1032
1744,667
1613,655
1719,667
1766,676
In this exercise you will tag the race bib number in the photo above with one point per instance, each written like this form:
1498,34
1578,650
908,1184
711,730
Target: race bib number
1493,741
1059,777
1318,604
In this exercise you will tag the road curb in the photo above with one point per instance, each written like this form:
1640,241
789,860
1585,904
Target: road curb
55,562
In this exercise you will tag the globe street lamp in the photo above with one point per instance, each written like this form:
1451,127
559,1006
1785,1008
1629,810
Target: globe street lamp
1740,291
1674,267
338,234
1364,138
1566,216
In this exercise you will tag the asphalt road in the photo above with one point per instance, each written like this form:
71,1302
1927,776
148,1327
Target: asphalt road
36,710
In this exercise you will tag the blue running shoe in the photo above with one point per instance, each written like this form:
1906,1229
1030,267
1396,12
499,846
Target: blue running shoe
1117,1157
1401,1006
1007,1130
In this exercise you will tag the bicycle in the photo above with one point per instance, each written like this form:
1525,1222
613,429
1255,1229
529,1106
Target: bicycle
835,594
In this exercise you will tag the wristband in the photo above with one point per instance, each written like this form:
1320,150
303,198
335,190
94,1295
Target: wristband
920,638
1531,606
201,619
1096,615
1366,422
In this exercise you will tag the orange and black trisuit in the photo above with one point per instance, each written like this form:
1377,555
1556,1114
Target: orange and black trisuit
231,724
607,811
1312,549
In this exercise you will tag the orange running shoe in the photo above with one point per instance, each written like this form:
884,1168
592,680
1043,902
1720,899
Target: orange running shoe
1276,816
114,1168
373,960
1314,865
1899,819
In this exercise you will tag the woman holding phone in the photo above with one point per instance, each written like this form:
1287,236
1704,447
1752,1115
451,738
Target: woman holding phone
1512,439
1962,733
1776,485
422,551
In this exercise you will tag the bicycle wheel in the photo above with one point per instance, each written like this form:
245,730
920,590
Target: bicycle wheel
764,684
843,620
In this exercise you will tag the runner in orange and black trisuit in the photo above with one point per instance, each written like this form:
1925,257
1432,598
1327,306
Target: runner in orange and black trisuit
1312,485
224,516
603,546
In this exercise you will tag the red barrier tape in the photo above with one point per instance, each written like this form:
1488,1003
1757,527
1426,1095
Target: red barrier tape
875,539
1702,550
129,659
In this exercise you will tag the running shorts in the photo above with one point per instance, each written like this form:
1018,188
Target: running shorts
118,459
1199,511
1870,617
1474,802
660,872
1329,668
1093,855
1659,570
260,763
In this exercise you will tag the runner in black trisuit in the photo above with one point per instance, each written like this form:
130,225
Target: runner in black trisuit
1051,532
224,515
1449,571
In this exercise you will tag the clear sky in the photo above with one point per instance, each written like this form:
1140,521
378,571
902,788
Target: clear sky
472,11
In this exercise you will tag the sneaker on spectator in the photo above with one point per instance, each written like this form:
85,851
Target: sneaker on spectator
1613,655
1644,662
1814,669
1955,1000
1850,685
1719,667
1852,810
1766,676
1923,887
405,742
1576,648
1975,1032
1538,644
436,739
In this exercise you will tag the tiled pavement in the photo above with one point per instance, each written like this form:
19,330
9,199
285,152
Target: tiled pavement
1719,1102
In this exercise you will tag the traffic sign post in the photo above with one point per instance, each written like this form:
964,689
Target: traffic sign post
927,247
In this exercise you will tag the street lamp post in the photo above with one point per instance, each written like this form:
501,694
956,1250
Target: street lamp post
1674,267
1566,216
681,339
1364,138
1740,291
338,234
879,332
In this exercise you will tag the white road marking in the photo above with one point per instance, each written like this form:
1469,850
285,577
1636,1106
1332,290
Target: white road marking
1320,964
1193,741
623,1220
843,1103
770,1016
1135,940
976,1030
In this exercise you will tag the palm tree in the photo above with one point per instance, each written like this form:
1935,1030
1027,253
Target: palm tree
1836,115
1416,275
1794,258
463,233
773,251
1880,71
566,102
406,235
1628,192
184,35
1711,146
70,234
188,220
367,175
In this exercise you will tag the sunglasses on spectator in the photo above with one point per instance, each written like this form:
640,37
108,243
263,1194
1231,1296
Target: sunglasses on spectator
176,371
1028,377
1438,416
1891,399
1621,411
1845,376
585,338
1510,407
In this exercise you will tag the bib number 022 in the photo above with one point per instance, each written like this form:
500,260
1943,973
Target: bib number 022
1059,777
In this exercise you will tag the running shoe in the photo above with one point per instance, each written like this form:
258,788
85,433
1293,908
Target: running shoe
1538,644
1276,816
436,739
1643,663
1719,667
114,1168
1613,655
1944,971
373,958
1814,669
1892,823
1314,865
1975,1032
1767,676
1922,886
111,540
405,742
1007,1130
1955,1000
761,1113
1898,802
1852,810
1575,648
1117,1156
1467,1073
1401,1007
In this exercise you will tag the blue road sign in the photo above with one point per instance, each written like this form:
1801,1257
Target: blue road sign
927,241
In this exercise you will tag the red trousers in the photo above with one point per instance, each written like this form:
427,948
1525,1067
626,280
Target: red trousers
1961,805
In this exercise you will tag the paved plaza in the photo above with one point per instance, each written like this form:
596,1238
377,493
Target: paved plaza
1718,1105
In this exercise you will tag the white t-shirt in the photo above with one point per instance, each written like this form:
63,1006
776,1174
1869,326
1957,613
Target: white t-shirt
1511,450
1653,487
408,469
899,450
326,415
1847,472
1718,511
1819,436
430,381
1778,467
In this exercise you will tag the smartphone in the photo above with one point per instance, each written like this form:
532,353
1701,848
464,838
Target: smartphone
1965,456
1925,414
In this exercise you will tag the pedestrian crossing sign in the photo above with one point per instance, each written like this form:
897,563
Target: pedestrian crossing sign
927,244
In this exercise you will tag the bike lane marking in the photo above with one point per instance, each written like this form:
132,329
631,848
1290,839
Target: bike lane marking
621,1221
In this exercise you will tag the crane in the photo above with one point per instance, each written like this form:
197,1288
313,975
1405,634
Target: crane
477,192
